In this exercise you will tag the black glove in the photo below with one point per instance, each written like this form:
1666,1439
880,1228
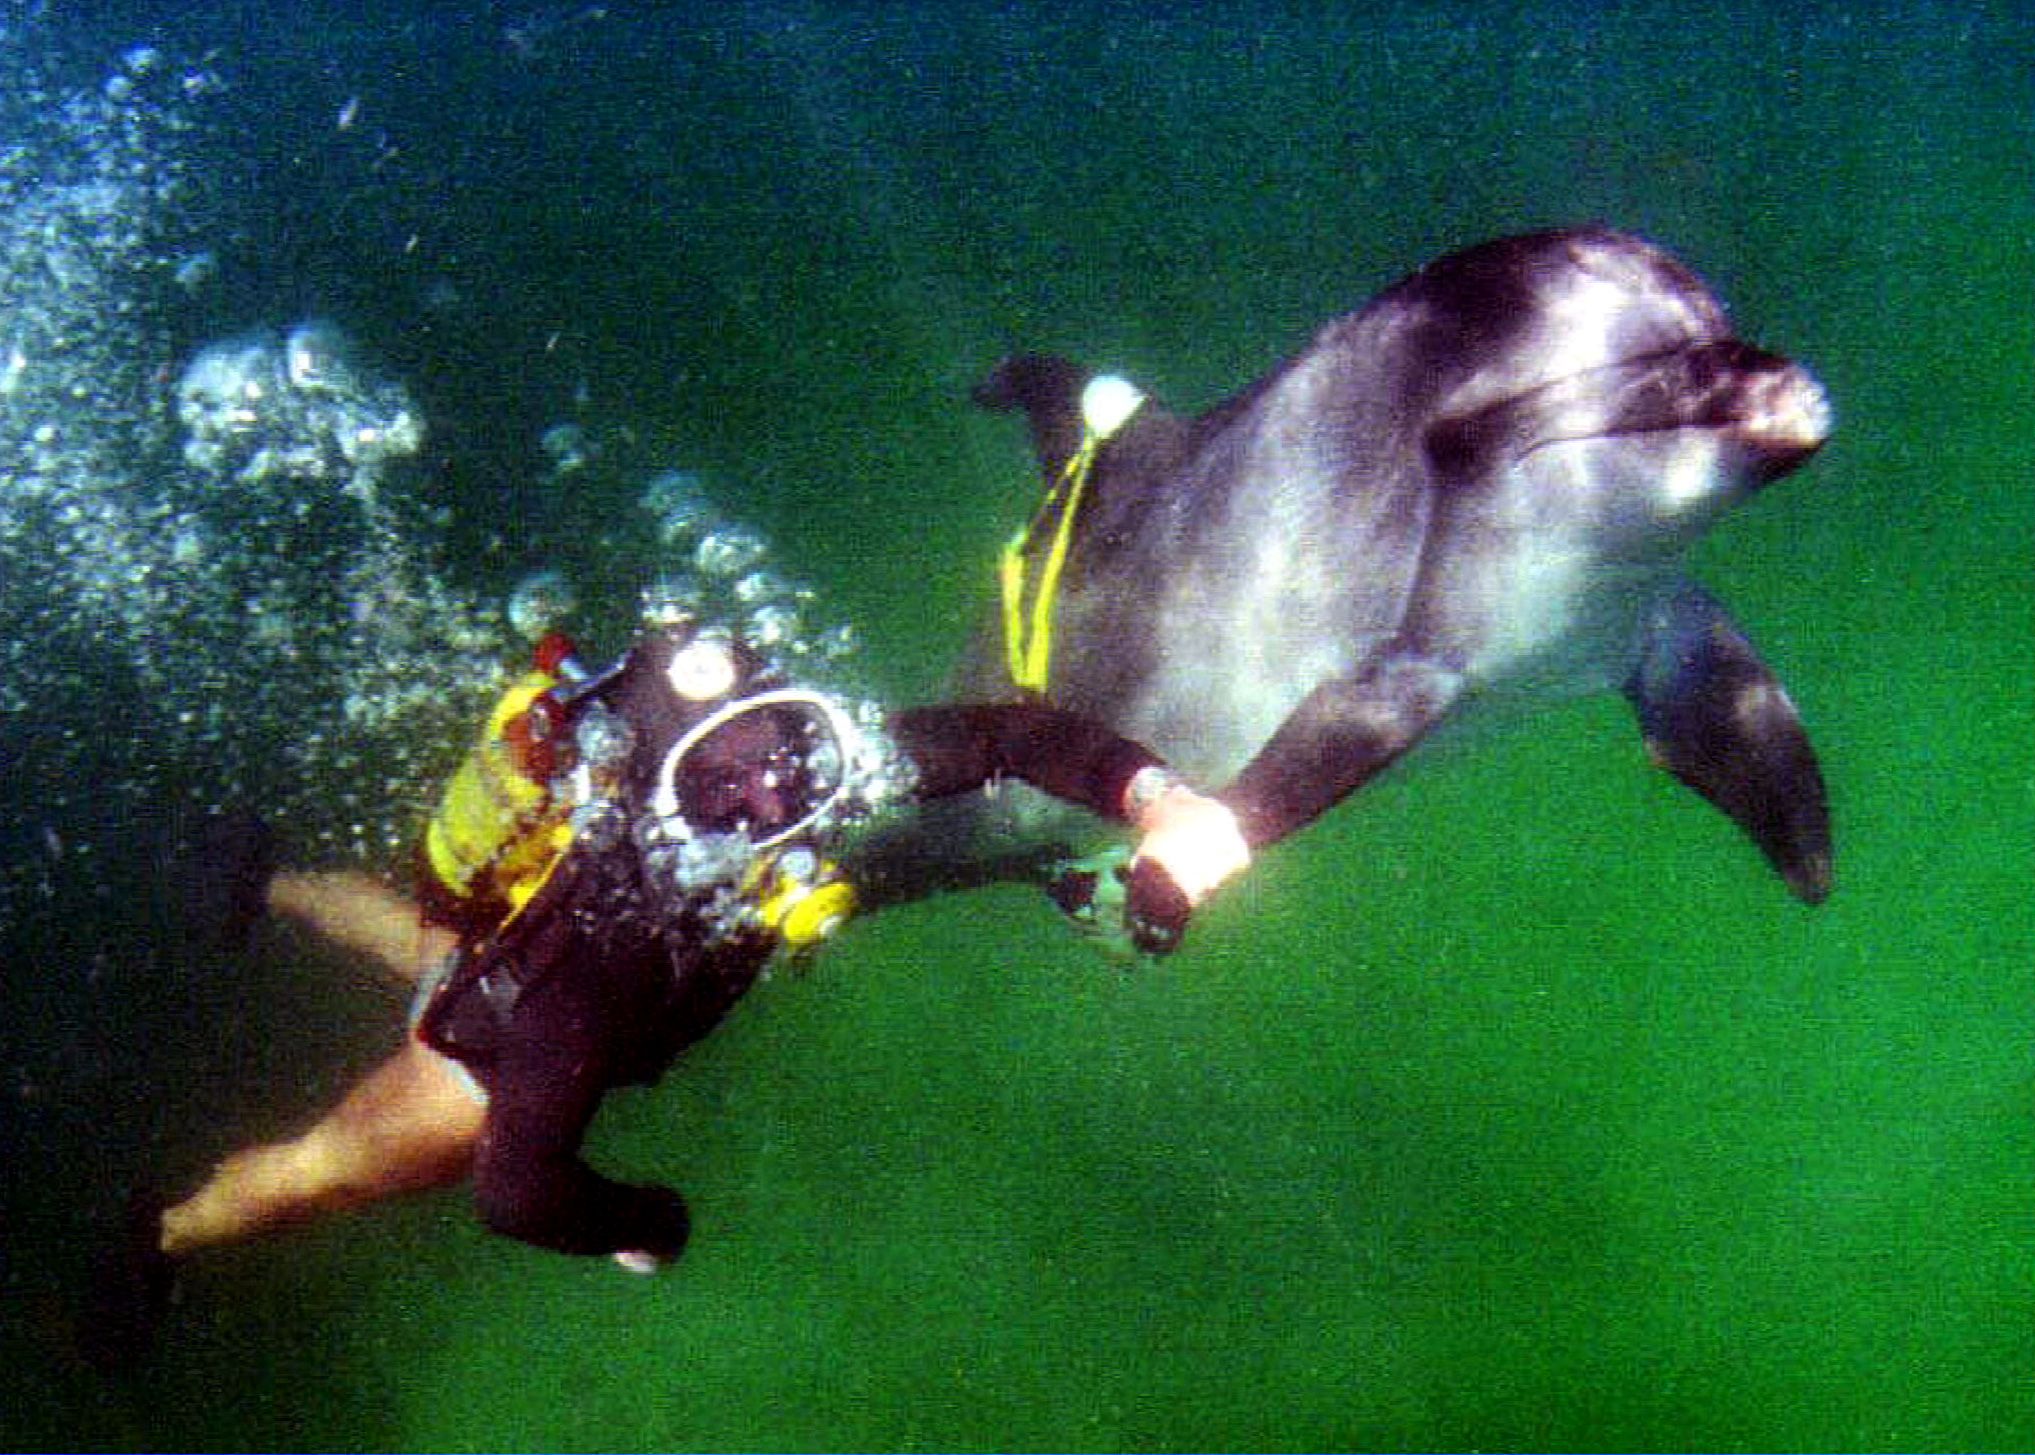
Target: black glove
656,1222
1156,911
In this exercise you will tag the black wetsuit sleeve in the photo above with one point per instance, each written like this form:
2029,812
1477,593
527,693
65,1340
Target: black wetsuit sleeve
530,1181
957,749
1341,736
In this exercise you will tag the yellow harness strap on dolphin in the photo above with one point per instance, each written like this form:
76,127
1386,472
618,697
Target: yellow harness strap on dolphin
1106,404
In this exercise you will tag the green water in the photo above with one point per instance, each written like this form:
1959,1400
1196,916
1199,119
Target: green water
1515,1105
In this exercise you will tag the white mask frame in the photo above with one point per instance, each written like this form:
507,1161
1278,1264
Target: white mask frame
664,803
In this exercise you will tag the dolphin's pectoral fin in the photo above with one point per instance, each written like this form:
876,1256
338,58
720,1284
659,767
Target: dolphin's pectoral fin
1344,733
1719,720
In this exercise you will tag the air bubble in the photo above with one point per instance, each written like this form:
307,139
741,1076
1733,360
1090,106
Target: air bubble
730,551
672,601
542,601
567,447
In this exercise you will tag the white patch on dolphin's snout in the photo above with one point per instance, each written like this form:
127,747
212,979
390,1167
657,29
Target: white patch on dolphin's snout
1787,411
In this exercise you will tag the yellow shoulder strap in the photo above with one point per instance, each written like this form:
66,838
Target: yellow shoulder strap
1106,403
1030,644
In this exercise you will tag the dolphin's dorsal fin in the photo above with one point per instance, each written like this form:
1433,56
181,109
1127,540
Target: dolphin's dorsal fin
1048,389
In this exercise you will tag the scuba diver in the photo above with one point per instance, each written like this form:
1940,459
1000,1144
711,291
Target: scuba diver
607,873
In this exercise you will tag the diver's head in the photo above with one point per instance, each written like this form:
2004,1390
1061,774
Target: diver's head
748,775
723,748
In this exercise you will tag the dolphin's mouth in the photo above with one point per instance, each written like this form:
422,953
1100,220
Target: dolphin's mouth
1769,413
1767,406
1767,401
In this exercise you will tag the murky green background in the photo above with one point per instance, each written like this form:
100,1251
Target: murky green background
1513,1106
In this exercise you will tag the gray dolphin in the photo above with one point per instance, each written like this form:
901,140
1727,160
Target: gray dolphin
1470,497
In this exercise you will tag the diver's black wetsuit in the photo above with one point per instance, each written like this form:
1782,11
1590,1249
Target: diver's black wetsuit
629,990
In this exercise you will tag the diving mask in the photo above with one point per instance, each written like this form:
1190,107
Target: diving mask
773,766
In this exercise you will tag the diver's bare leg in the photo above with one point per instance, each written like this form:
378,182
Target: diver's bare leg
411,1124
363,914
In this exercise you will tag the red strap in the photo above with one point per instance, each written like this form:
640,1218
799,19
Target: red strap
551,651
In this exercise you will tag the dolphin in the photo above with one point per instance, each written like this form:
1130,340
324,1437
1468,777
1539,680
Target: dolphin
1470,498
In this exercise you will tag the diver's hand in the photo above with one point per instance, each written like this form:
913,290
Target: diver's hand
1191,844
664,1228
1155,912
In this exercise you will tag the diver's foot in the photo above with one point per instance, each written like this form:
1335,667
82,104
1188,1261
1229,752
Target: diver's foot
220,877
131,1291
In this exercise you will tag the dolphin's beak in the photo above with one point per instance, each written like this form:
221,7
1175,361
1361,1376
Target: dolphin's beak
1787,417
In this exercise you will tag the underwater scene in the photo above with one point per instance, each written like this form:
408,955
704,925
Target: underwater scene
1514,1104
